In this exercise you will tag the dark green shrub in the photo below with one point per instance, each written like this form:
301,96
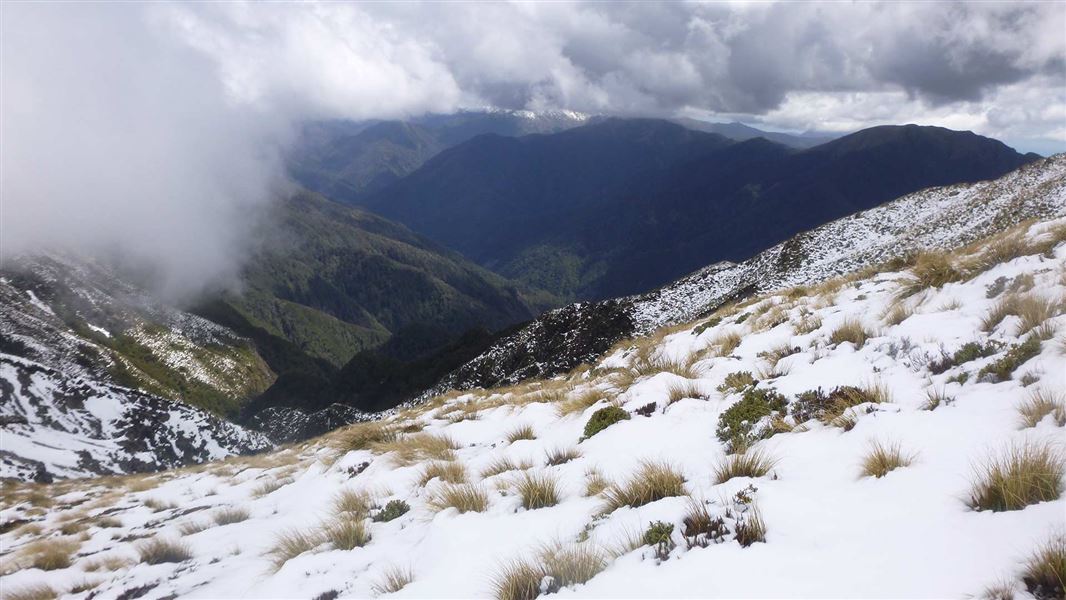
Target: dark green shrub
742,318
659,535
739,426
968,352
392,510
604,418
827,408
736,382
1002,369
712,322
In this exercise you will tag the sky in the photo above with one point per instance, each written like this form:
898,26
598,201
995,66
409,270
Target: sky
155,131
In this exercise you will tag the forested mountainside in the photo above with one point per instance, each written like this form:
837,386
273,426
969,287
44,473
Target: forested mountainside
621,206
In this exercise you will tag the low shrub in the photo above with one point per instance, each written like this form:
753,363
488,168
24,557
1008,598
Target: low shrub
832,408
1024,475
660,536
968,352
394,509
1018,354
747,420
737,382
604,418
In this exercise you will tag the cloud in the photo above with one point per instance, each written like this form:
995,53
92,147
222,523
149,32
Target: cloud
154,130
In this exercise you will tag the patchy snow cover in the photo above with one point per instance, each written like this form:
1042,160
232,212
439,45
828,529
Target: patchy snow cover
830,532
942,217
57,425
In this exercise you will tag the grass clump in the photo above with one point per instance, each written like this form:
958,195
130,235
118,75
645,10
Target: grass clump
394,509
737,382
361,436
881,459
346,534
420,446
51,554
1002,369
747,420
595,483
228,516
579,402
538,491
1024,475
292,543
553,568
393,579
604,418
750,528
561,456
270,486
930,270
36,591
679,391
352,502
652,481
451,472
1031,310
158,551
851,330
524,432
833,408
1039,405
935,398
727,342
752,463
462,497
1044,575
502,465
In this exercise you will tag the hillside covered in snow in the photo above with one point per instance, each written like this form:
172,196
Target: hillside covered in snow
897,432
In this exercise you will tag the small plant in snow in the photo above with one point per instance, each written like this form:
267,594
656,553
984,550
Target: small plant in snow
604,418
1045,571
393,510
660,536
1023,475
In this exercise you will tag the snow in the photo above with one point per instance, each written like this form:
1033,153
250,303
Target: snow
830,532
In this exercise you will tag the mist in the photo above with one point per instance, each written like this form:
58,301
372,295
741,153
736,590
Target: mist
155,132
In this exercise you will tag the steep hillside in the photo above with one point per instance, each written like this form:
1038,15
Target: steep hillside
850,440
742,133
347,161
335,280
622,206
930,219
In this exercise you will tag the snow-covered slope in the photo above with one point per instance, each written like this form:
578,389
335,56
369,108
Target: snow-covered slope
942,217
901,362
75,338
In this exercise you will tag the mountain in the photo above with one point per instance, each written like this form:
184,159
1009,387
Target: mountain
98,377
335,280
931,219
856,442
621,206
346,161
742,133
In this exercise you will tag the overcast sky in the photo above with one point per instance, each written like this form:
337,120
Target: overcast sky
154,128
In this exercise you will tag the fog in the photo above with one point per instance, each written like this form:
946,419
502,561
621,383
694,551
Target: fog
154,132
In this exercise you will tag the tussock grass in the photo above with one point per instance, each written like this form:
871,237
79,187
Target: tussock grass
883,458
652,481
998,591
1041,403
775,354
34,591
270,486
648,366
352,502
737,382
392,580
157,505
451,472
678,391
106,563
522,432
751,528
1025,474
595,483
228,516
51,554
1044,574
157,551
930,270
753,463
346,534
935,398
420,446
193,527
727,342
503,465
579,402
292,543
565,565
107,522
538,490
362,436
1031,309
807,323
851,330
899,312
560,456
462,497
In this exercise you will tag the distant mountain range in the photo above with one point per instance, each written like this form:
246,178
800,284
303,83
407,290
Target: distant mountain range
620,206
